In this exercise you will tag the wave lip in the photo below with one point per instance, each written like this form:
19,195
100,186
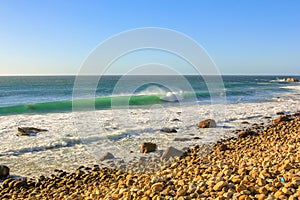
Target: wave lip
172,97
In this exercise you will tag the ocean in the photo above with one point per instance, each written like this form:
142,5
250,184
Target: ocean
119,113
44,94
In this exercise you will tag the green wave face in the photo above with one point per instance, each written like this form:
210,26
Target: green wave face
66,106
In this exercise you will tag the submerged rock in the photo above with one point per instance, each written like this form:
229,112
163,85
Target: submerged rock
28,131
208,123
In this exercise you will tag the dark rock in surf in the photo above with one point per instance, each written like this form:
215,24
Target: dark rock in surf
148,147
245,122
4,171
28,131
209,123
181,139
280,113
197,138
168,130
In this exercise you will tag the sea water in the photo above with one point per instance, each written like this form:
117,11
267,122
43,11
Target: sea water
121,120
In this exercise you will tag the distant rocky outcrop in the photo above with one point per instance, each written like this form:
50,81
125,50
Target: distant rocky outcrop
28,131
209,123
290,79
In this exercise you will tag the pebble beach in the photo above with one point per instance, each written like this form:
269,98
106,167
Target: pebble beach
257,164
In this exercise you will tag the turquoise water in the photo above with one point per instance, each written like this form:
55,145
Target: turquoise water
42,94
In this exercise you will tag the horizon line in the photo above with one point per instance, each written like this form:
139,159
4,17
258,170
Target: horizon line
11,75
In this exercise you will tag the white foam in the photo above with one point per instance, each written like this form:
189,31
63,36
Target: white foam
172,97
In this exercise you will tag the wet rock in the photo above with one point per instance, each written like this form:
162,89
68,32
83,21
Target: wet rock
181,139
4,171
171,152
29,131
208,123
267,117
243,134
197,138
168,130
281,118
245,122
148,147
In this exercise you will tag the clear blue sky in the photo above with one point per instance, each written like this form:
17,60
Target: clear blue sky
242,37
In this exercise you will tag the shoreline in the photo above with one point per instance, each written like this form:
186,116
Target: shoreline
62,148
256,166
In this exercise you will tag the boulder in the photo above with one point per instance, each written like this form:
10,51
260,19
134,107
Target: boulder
107,156
28,131
4,171
171,152
168,130
148,147
281,118
243,134
290,79
208,123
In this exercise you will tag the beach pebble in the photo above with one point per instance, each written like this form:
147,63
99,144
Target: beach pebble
157,187
219,185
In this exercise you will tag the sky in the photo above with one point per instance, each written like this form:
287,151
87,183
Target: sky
54,37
